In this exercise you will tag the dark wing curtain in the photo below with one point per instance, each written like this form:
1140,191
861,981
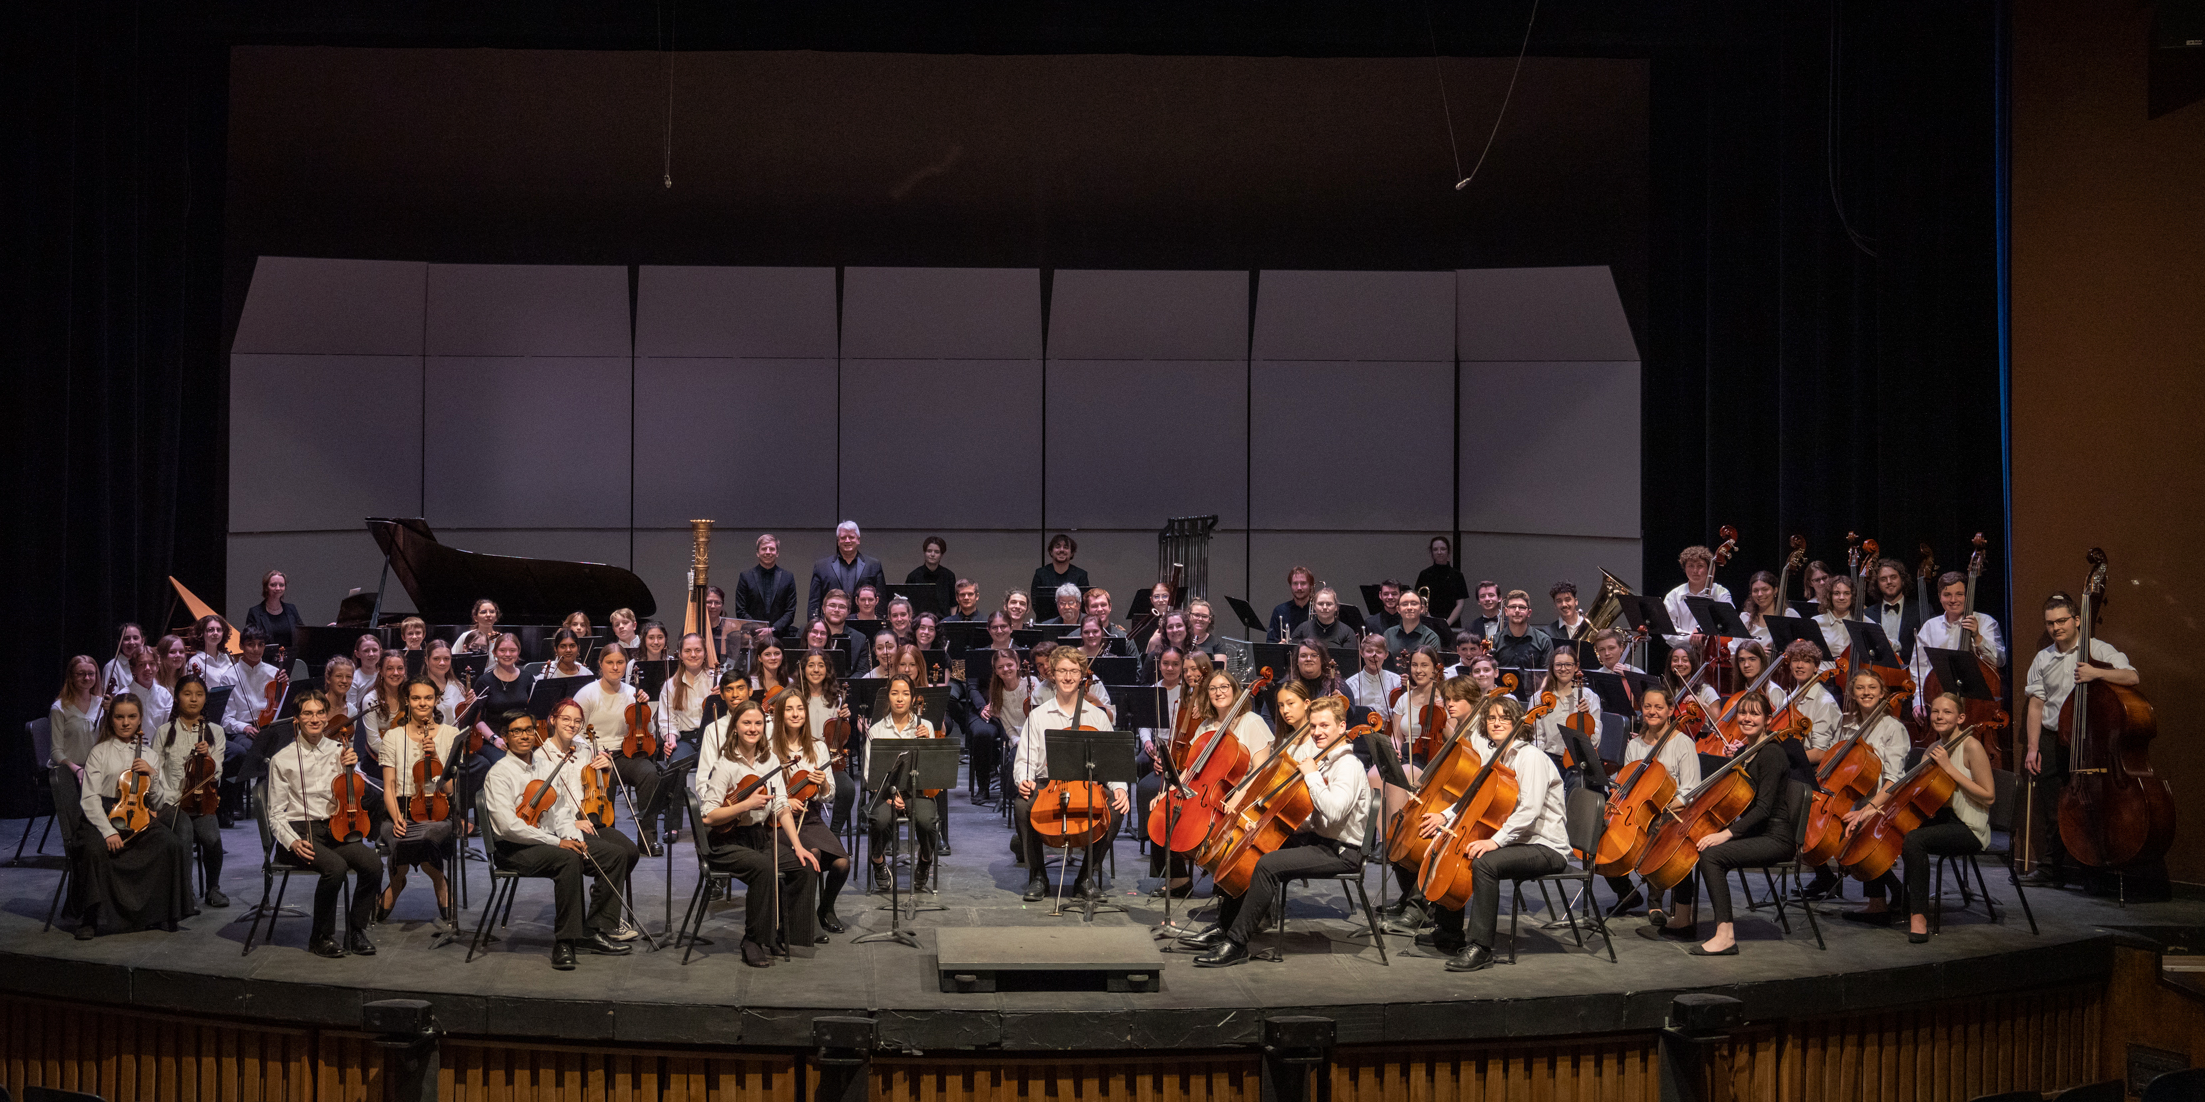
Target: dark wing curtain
114,174
1794,382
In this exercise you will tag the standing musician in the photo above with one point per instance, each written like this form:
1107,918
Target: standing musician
1570,623
302,780
794,738
1519,645
1887,739
2053,674
140,881
1899,617
1959,829
1412,633
1374,686
412,844
903,721
1443,584
478,639
1943,633
1324,624
186,735
1532,842
1761,835
739,840
1329,844
604,703
1656,710
845,570
767,592
563,844
1067,669
1487,623
1699,568
1301,585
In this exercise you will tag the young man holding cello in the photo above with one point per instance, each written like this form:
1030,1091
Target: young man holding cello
1329,844
1532,841
1030,772
302,780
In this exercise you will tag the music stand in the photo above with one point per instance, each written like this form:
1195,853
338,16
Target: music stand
1615,695
1116,669
1372,602
1100,757
933,702
547,692
1808,608
652,674
1960,673
1785,630
1870,640
1141,707
866,629
218,704
959,636
922,595
1248,617
910,760
1647,613
1349,661
863,693
1353,618
1722,614
299,687
1025,638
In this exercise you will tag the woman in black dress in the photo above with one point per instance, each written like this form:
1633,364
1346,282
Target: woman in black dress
123,882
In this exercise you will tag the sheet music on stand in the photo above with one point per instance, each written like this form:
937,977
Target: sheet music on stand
1103,757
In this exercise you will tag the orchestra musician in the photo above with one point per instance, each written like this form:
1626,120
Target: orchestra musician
1699,569
1005,691
824,701
566,656
1301,585
1518,645
1899,616
1323,624
74,717
1886,738
1173,632
903,721
1068,607
213,661
767,592
1802,661
865,602
769,672
1417,692
835,614
453,696
302,780
564,846
1409,911
1959,829
794,738
1389,605
173,656
1818,583
1201,622
626,630
781,882
1059,571
367,665
900,620
114,677
1374,686
1943,633
930,571
2052,675
134,883
146,686
1487,623
1532,842
1018,608
1447,592
1684,660
414,844
1612,648
479,638
1412,633
966,610
1838,606
249,678
502,687
1761,835
1656,707
186,734
1315,669
1329,844
1067,669
1571,698
604,703
1570,623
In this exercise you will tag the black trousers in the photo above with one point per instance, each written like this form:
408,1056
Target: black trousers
984,753
1301,857
1942,836
207,833
926,822
641,775
331,861
614,857
1034,845
2044,801
748,854
846,794
1474,925
1718,862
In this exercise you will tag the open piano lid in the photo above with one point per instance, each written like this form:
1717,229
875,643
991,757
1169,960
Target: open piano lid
445,582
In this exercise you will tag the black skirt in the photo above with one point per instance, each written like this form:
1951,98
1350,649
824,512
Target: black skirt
144,885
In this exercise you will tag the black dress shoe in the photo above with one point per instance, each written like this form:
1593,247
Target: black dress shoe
1820,888
1472,958
1670,933
943,849
1227,954
1165,889
562,956
326,947
215,898
1704,951
650,846
830,922
1626,905
1083,888
755,955
2043,879
922,877
1869,918
1206,939
357,941
1917,939
87,932
881,876
604,946
1035,890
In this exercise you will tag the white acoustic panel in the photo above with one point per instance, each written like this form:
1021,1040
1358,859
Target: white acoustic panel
320,442
728,438
1122,315
954,313
1351,446
1355,316
1533,563
949,442
527,310
1556,448
1133,443
1521,314
1346,561
527,442
320,569
775,313
356,307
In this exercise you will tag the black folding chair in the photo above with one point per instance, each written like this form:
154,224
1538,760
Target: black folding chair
1586,817
276,861
2005,789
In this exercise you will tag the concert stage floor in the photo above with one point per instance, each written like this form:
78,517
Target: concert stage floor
651,998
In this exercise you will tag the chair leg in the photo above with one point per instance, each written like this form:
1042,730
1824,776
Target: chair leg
693,916
1516,905
1568,913
2013,877
1776,896
60,887
1799,883
1745,888
48,829
267,886
482,925
1370,915
1599,922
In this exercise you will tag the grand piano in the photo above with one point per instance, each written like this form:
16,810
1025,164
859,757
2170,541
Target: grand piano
445,582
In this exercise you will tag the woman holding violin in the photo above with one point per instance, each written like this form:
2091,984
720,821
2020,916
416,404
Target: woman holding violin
417,796
810,785
141,876
1839,605
484,634
745,800
1960,828
302,782
1761,834
625,734
828,714
1329,843
1417,716
903,721
1030,772
1571,709
1532,841
769,672
1659,740
190,752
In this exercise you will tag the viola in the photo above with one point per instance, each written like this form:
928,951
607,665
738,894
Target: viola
133,811
1268,821
1874,847
1072,814
2115,810
597,805
428,804
1480,812
201,776
807,784
1850,774
1711,807
279,687
638,742
1641,793
746,789
1216,763
1990,715
348,817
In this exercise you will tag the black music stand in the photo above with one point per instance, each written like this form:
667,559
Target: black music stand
1353,618
1372,602
1116,669
1248,618
1348,660
1100,757
1960,673
1647,614
469,666
922,595
1808,608
1722,614
1025,638
1140,707
547,692
1870,640
1785,630
651,674
909,760
1045,601
1618,692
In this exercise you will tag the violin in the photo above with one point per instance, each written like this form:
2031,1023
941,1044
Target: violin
836,733
638,742
1990,715
133,811
1216,763
1711,807
597,805
538,796
279,687
1265,823
1850,774
1874,847
201,775
428,804
1480,812
1641,793
2115,810
1070,814
348,817
746,789
1580,721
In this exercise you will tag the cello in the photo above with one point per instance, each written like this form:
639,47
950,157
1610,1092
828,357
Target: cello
1217,763
1266,822
2115,810
1722,738
1071,814
1850,774
1480,812
1641,793
1989,715
1719,799
1872,849
1446,774
1276,769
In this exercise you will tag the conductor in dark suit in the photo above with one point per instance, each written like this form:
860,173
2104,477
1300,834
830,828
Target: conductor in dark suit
766,592
845,570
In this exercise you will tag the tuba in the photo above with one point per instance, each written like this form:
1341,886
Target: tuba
1610,604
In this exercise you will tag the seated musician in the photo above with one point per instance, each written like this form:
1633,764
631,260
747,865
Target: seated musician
1803,662
1944,632
897,794
1571,698
1000,716
881,657
412,844
779,875
212,661
1762,602
477,639
1412,633
1389,605
1018,608
1533,841
1292,613
186,734
834,611
680,709
1059,569
2052,675
566,656
249,678
302,780
1068,607
1202,623
902,622
793,737
1961,828
967,607
1173,632
604,703
127,883
1570,623
1468,646
1837,607
1329,844
1096,602
1374,686
114,677
1684,661
1699,581
1067,668
367,664
770,670
564,845
1612,648
1886,738
1818,583
1406,709
1518,645
1409,910
1178,677
1314,668
145,684
1683,763
1324,623
1760,836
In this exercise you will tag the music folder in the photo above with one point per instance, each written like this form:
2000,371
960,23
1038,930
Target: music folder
547,692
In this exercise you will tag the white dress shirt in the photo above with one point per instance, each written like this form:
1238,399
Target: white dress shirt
302,783
155,703
104,767
2052,675
507,782
73,730
885,727
249,696
217,669
172,756
1680,613
1821,710
1834,636
1889,742
1539,816
1679,756
728,774
1341,802
1032,763
1374,691
399,754
695,688
1942,634
1547,729
605,713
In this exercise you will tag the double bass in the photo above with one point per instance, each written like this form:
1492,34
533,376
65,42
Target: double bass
1072,814
2115,810
1989,715
1218,761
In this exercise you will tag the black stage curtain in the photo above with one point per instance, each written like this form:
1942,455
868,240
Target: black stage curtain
117,389
1794,383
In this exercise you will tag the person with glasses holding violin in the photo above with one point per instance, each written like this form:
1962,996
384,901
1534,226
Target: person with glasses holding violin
302,780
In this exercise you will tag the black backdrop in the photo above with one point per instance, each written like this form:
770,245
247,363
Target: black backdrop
1792,382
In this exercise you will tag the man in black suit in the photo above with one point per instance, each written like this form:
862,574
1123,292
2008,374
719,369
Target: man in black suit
1890,609
845,570
767,592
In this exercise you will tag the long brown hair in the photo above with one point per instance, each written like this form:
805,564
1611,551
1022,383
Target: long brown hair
791,741
830,687
1203,707
731,745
